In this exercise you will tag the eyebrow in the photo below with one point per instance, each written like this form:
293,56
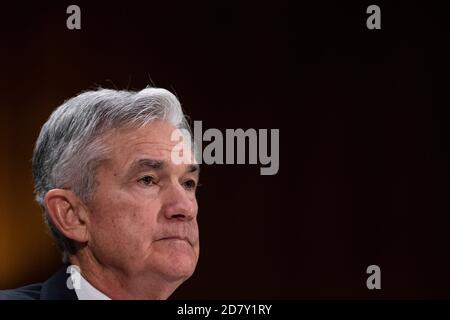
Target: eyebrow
149,164
193,168
158,165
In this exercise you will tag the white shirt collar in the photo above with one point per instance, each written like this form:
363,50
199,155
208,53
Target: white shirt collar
84,290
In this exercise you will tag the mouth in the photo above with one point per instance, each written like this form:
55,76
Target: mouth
175,238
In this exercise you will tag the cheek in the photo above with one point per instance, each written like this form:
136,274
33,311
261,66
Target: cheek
123,225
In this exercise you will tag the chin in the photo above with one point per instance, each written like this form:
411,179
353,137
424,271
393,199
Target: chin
174,260
179,267
176,267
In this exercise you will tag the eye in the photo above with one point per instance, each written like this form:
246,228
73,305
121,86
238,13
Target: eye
190,184
147,180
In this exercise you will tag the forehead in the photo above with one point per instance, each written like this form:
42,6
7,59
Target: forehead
154,141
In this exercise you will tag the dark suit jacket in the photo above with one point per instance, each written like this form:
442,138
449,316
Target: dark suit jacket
54,288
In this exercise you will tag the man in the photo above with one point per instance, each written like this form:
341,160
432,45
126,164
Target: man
122,212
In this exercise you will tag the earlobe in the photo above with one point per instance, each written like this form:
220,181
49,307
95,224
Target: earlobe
67,214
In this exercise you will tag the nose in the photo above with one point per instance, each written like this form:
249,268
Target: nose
179,203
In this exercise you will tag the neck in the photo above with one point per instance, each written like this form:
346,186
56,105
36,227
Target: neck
122,284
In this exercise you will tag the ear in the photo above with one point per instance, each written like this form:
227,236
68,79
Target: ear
68,214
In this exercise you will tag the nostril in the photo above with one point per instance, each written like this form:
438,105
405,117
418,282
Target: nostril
179,216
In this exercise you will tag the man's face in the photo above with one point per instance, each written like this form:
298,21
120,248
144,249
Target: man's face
143,219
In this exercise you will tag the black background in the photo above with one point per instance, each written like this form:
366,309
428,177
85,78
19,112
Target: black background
363,117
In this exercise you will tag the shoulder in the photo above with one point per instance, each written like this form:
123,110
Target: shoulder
30,292
55,288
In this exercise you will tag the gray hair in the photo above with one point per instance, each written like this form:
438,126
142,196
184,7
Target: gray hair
71,144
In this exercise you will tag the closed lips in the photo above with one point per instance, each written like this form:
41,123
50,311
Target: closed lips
176,238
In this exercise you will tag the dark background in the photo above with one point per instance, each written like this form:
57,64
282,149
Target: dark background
363,118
